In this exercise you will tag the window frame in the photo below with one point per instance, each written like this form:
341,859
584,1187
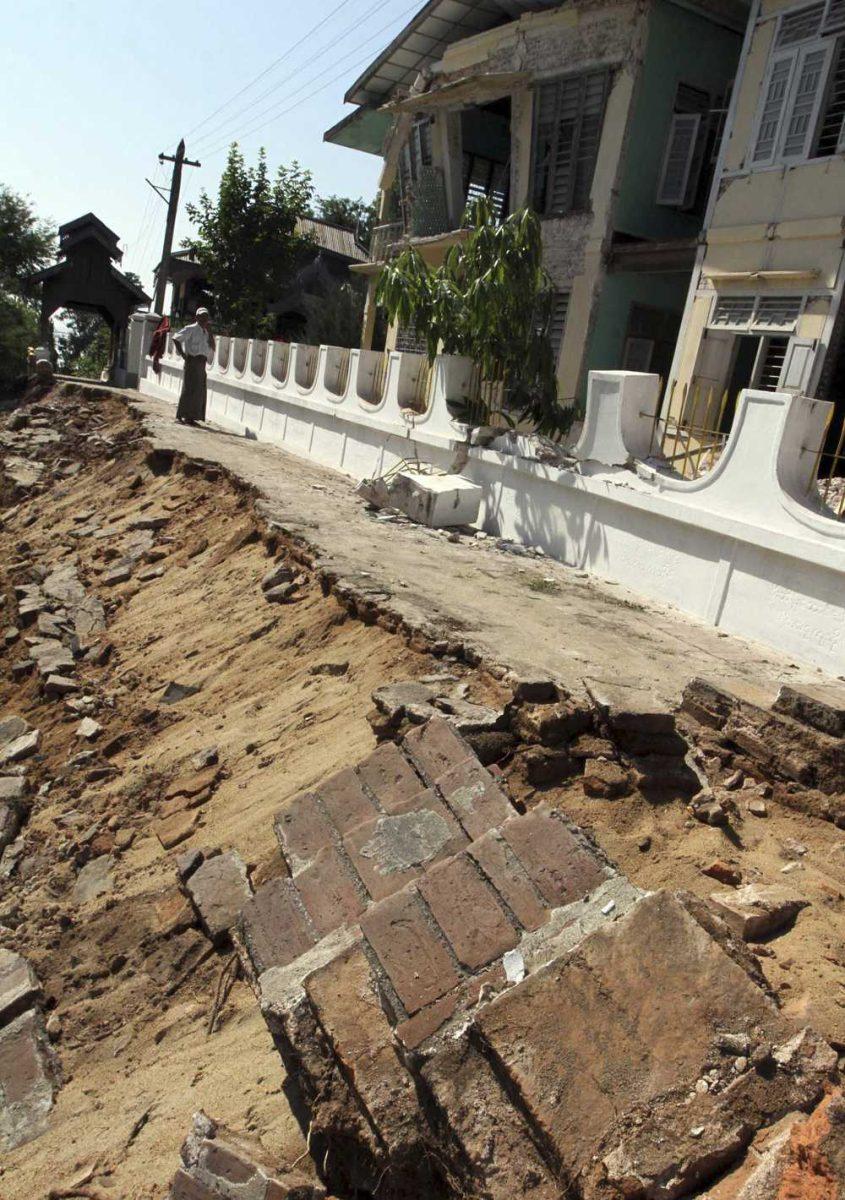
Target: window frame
796,55
582,76
828,36
752,325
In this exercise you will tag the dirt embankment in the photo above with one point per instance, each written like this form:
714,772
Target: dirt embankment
176,554
128,980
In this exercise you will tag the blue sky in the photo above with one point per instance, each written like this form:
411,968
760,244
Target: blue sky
93,90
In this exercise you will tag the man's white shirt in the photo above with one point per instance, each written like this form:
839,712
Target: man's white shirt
194,340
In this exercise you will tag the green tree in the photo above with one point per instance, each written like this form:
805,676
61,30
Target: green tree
336,317
246,239
26,243
491,300
356,215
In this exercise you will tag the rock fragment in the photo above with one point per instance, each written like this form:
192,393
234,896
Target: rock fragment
757,911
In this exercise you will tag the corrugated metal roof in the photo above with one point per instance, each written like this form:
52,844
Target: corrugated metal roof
333,238
437,25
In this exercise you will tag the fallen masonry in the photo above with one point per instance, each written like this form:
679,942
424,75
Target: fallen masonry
29,1072
471,1000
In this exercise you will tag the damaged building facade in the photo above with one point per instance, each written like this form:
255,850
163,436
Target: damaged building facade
542,105
764,308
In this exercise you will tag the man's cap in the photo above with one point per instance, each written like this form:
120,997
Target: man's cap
202,312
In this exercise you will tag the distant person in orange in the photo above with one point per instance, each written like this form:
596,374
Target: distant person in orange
194,344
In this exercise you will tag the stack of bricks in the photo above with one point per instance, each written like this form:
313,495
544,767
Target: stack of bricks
419,848
472,1001
407,879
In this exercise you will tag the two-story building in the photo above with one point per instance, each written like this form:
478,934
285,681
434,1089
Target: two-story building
765,304
605,117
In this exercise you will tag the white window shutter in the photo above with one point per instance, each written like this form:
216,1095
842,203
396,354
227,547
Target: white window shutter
774,103
797,365
678,159
811,77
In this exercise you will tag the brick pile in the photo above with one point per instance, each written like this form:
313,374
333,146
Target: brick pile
217,1164
471,1000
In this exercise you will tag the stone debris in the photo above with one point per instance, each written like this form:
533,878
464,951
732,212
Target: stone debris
29,1072
757,911
174,692
797,745
94,879
89,729
21,747
279,574
217,1164
218,889
532,992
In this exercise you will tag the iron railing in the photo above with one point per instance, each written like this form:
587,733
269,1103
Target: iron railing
828,472
689,432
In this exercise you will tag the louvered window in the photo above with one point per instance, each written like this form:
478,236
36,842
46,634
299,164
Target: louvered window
773,106
678,159
757,312
557,325
567,130
799,26
733,310
831,135
809,83
834,17
486,177
793,108
777,311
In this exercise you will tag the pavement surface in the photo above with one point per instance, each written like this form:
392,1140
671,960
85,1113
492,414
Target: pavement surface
534,616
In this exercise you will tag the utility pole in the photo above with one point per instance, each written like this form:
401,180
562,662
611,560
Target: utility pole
179,161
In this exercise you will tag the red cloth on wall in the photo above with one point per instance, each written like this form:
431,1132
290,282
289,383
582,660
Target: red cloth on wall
159,343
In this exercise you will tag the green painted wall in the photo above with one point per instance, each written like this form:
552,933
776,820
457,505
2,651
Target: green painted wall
681,48
619,292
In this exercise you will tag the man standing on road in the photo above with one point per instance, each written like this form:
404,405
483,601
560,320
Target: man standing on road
194,344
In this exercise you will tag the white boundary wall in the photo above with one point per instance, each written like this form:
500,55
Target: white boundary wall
744,547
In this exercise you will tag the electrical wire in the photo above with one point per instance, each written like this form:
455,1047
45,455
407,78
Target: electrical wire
318,51
330,70
271,67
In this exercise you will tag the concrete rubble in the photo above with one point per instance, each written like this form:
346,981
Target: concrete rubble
217,1163
29,1071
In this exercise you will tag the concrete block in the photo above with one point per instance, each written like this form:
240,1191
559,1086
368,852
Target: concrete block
436,500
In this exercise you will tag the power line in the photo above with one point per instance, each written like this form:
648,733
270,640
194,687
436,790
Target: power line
236,116
330,70
272,66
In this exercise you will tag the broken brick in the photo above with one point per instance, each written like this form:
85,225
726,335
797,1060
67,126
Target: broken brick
559,862
504,870
302,831
329,892
467,911
474,797
414,958
389,776
345,800
435,748
274,927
